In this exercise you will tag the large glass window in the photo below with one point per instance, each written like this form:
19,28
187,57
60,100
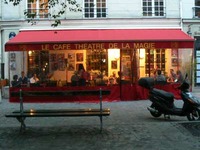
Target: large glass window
95,8
165,60
38,62
155,59
106,66
153,8
39,8
129,66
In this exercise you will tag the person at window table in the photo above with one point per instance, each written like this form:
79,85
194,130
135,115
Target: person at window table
75,79
172,76
23,79
83,74
34,79
179,76
15,82
160,76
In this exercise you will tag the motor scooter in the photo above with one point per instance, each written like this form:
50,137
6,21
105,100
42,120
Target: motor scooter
163,102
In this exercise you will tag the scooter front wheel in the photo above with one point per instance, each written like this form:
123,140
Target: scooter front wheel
194,115
155,113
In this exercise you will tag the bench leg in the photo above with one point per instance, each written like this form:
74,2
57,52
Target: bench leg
101,123
23,125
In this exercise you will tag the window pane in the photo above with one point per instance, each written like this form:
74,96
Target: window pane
147,7
86,5
98,5
159,8
104,5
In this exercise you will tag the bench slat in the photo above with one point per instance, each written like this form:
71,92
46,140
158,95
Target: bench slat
69,114
60,93
62,110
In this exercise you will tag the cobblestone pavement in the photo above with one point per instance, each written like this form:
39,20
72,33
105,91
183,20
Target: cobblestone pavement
129,127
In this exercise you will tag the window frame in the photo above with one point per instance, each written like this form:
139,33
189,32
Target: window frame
196,9
41,13
149,10
95,9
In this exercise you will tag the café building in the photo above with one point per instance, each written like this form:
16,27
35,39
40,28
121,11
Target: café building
114,60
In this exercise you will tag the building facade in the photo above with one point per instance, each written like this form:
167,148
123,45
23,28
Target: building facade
134,62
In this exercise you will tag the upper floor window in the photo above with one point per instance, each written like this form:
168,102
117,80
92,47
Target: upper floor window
197,9
39,8
95,8
153,8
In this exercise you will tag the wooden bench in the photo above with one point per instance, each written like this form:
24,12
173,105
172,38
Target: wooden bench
22,114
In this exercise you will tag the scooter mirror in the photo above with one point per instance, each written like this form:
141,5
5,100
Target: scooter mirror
186,75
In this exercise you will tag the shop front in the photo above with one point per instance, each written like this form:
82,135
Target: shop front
113,59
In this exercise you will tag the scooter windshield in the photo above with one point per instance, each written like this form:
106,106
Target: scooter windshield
193,98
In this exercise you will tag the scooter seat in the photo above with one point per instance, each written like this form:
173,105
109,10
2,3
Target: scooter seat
163,94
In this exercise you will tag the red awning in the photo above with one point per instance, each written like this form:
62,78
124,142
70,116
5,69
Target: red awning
98,39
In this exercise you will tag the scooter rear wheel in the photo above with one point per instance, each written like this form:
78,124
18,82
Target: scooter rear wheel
194,115
155,114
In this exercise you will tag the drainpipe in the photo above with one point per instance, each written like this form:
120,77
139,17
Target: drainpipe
181,14
2,57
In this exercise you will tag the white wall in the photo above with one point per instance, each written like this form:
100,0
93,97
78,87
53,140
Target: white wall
10,12
124,9
115,9
172,8
187,11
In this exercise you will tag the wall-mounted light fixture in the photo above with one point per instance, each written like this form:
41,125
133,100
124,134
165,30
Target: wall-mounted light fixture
29,53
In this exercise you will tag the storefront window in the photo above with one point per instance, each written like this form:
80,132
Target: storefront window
185,63
97,66
97,60
109,66
154,60
129,66
38,62
165,60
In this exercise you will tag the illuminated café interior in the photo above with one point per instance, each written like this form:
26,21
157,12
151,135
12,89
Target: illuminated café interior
116,66
104,65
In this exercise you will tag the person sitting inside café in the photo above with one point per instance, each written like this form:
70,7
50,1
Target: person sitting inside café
172,76
84,75
160,77
179,76
23,79
75,79
15,82
34,80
